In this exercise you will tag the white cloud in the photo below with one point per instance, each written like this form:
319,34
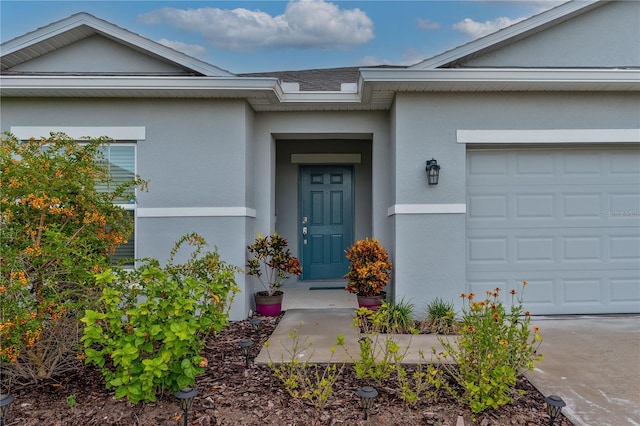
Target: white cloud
426,24
479,29
194,50
304,24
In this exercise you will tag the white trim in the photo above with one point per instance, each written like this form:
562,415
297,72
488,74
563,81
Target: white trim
326,158
122,133
196,212
426,209
549,136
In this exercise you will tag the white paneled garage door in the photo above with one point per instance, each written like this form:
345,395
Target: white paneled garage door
565,220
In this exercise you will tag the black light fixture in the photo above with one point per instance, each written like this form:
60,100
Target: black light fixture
5,402
554,407
433,172
185,396
367,394
246,344
255,322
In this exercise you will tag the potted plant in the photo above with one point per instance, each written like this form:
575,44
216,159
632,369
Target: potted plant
369,272
271,263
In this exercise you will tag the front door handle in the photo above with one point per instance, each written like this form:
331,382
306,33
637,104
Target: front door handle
304,231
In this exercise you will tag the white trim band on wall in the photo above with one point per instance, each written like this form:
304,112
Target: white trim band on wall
118,133
549,136
426,209
195,212
326,158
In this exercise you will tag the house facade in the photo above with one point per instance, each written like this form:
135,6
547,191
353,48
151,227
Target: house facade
536,129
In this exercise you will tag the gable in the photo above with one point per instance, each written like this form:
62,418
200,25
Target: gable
70,46
98,55
604,37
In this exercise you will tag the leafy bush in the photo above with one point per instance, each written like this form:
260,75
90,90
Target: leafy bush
147,335
370,267
58,230
494,347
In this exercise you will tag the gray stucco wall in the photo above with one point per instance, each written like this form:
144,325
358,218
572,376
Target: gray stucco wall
430,248
608,36
194,157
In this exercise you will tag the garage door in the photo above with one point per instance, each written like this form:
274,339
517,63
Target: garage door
565,220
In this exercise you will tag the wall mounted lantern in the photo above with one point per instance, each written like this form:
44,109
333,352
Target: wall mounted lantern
433,171
367,394
185,396
246,344
5,402
554,407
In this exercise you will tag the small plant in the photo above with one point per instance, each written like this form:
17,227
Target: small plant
441,317
303,379
147,336
394,317
414,384
272,262
71,400
370,267
379,354
493,348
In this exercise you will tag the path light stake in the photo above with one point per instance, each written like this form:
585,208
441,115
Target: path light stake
246,344
554,407
185,396
367,394
5,402
255,322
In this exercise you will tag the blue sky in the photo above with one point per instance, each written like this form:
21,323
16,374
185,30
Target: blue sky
253,36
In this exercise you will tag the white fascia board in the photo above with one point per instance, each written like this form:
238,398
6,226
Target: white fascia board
517,79
512,32
142,83
547,136
103,85
406,209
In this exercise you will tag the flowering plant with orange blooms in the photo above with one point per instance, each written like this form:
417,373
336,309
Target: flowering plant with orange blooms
495,345
58,230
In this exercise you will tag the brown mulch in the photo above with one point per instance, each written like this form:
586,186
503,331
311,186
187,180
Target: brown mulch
230,394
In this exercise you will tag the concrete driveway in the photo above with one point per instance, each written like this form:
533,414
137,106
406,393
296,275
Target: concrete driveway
593,363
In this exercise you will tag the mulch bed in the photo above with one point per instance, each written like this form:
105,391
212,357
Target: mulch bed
230,394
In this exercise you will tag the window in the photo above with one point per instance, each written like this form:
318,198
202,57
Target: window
121,162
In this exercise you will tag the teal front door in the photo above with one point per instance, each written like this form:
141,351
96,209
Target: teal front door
326,220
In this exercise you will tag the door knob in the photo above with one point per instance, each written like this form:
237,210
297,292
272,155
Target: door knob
304,231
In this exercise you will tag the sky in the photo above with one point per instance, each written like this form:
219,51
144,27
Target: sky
259,36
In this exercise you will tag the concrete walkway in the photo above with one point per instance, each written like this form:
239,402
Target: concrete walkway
592,362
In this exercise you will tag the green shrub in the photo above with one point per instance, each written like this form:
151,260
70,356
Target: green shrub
147,336
57,230
493,348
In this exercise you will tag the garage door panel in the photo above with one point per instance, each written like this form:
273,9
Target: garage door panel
567,221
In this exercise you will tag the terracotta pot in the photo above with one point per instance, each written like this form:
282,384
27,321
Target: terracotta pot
268,306
371,302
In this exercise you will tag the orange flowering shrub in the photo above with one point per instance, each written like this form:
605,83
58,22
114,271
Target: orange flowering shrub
58,230
494,346
370,267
